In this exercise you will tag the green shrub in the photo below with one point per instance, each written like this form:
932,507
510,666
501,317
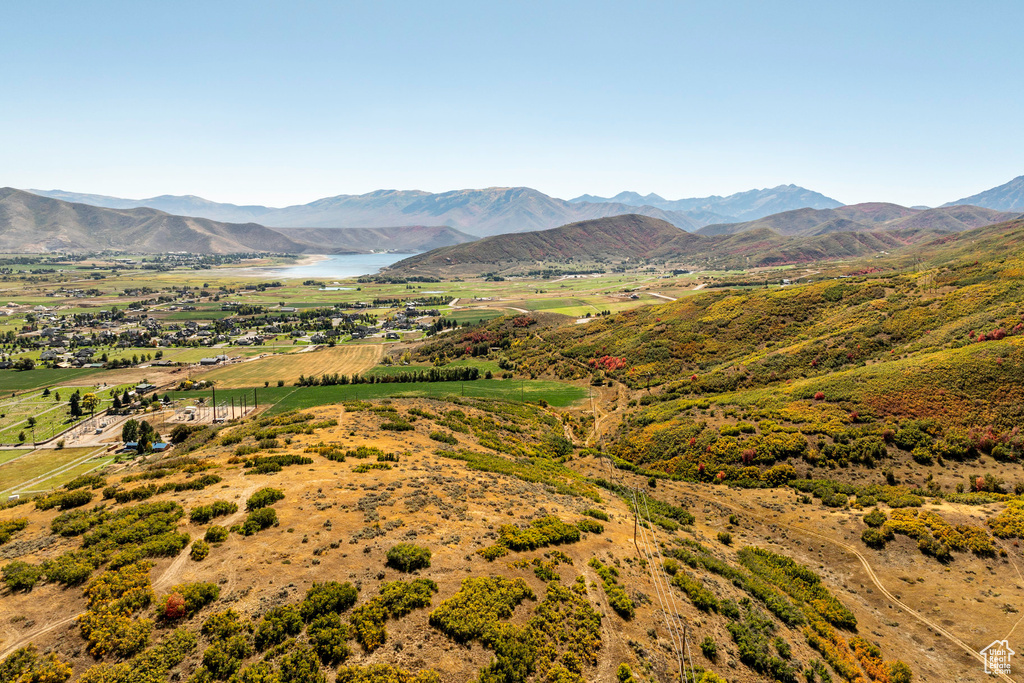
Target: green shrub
479,604
26,665
222,625
444,437
541,533
93,481
875,518
329,637
200,549
258,672
701,597
596,514
590,526
64,500
323,599
263,498
204,513
258,520
617,598
113,597
277,624
492,552
10,527
751,636
799,582
873,538
21,576
301,665
216,534
408,557
195,596
395,599
725,538
225,656
709,647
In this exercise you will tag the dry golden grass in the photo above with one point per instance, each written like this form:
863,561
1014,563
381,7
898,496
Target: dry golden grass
346,360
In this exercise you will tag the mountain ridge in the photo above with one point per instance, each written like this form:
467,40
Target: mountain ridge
1006,197
32,223
740,206
634,238
867,217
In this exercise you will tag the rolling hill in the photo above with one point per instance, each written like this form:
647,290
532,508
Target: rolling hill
619,237
179,205
868,217
629,238
31,223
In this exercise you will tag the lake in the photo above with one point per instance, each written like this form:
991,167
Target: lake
337,267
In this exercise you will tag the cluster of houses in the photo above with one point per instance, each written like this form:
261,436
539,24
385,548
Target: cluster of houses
71,340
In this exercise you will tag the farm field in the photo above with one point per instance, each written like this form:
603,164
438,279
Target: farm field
286,398
12,453
472,315
39,378
42,462
51,417
287,368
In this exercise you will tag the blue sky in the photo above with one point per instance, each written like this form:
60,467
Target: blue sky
284,102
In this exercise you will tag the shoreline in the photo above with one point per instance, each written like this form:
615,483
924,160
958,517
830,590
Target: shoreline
281,271
304,260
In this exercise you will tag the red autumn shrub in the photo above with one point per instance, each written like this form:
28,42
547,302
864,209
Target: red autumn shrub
175,607
818,396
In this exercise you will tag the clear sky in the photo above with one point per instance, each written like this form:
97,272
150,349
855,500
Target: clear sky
284,102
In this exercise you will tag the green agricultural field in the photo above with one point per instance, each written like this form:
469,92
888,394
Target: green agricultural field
51,416
558,394
95,462
43,464
10,454
473,315
483,365
198,315
12,381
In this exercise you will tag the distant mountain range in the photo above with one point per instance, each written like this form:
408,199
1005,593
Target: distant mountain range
30,223
1006,197
422,221
870,217
742,206
501,210
490,211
